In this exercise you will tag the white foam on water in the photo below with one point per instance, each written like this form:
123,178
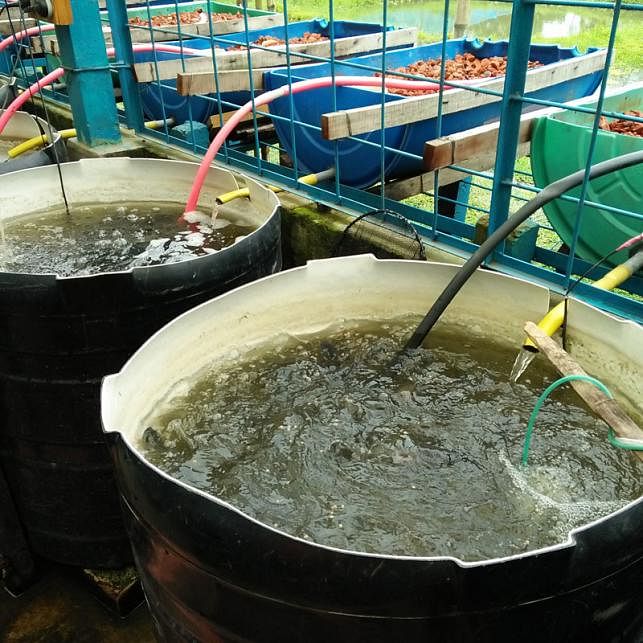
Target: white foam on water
545,490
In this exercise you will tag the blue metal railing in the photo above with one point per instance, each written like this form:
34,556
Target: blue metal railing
256,156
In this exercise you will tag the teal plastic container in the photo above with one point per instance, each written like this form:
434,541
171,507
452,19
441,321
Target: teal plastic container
559,147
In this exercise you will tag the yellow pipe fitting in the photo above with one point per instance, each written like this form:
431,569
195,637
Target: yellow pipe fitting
309,179
234,194
37,141
43,139
554,319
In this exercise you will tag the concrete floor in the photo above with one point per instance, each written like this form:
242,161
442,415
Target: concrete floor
59,608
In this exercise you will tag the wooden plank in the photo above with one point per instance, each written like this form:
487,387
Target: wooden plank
102,4
216,121
228,60
142,34
404,188
459,148
7,27
350,122
276,56
229,81
440,152
45,43
604,406
170,69
462,147
62,14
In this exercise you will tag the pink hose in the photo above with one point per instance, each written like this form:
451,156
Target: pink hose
20,100
630,242
32,31
285,90
169,49
51,77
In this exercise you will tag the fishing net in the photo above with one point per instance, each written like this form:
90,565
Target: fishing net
384,233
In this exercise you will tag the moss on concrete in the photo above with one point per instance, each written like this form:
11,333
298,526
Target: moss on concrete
308,231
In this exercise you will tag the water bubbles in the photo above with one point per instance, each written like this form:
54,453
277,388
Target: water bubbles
194,240
109,237
196,217
405,459
219,223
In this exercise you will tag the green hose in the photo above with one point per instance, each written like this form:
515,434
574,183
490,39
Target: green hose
541,400
628,444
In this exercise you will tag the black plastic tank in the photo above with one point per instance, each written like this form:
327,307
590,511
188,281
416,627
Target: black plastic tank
212,573
60,335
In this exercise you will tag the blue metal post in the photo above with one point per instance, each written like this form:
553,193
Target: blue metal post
522,22
89,81
122,39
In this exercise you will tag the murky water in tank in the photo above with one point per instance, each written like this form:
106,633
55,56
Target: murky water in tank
5,145
339,439
96,238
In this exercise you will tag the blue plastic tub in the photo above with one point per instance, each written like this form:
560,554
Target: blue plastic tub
155,98
343,29
359,164
177,106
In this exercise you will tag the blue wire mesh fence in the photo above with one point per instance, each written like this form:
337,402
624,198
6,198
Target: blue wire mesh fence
456,161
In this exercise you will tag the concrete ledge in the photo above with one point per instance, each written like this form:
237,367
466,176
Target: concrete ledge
129,146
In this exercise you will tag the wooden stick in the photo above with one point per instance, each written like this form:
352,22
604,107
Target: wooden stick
605,407
360,120
461,148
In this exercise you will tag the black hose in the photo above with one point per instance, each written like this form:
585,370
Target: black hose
551,192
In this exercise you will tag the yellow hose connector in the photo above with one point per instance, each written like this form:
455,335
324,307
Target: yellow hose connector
43,139
309,179
37,141
553,320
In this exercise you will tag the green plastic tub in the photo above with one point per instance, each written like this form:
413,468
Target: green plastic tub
559,146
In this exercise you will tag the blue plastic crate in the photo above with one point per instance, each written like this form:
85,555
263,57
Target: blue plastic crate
359,164
152,96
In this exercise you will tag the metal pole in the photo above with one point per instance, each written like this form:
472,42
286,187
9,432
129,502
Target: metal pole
122,39
522,22
89,80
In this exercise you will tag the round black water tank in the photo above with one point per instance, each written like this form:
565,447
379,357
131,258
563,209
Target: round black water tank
211,573
60,336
